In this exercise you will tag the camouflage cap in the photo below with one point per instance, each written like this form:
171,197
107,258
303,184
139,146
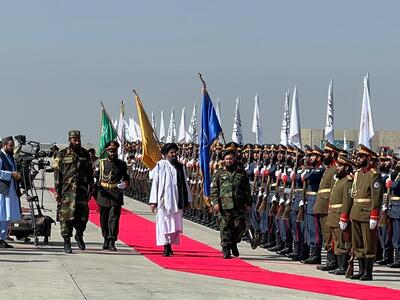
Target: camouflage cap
74,134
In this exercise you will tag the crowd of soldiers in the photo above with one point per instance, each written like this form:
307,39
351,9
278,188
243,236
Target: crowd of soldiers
304,201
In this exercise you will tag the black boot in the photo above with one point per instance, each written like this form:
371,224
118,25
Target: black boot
369,265
169,248
166,251
331,262
361,271
105,244
387,257
67,245
235,250
287,250
296,251
279,245
396,263
264,241
315,257
111,245
226,251
80,242
342,265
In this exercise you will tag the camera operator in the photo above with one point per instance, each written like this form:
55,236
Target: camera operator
10,209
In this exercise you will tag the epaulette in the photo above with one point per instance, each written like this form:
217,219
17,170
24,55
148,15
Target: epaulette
350,177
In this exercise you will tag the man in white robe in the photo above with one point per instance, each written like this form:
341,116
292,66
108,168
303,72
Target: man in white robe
170,194
9,201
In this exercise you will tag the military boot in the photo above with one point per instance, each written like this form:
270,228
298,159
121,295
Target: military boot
369,265
264,241
387,257
342,265
166,252
361,267
111,245
80,242
315,257
279,245
67,245
296,251
226,251
235,250
331,262
105,244
396,263
287,250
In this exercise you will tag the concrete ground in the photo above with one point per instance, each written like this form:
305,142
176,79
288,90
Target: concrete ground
29,272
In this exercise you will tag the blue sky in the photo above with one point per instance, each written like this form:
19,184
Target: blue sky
58,59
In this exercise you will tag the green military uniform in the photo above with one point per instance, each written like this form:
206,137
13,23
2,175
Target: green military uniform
367,191
73,181
231,191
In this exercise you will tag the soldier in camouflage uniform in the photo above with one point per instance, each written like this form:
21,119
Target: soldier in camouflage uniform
230,196
73,182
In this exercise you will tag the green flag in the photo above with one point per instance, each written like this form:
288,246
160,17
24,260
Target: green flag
107,133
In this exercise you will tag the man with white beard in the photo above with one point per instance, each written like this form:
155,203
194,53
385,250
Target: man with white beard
170,194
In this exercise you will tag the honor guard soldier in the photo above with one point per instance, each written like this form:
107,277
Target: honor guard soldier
112,178
312,178
230,196
367,193
322,203
73,182
393,205
337,221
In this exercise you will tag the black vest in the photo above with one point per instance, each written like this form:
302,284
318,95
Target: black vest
5,166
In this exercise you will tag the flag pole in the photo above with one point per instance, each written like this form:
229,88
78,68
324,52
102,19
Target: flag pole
137,95
205,89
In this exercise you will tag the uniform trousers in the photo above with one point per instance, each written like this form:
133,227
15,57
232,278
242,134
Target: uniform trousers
109,221
363,239
81,217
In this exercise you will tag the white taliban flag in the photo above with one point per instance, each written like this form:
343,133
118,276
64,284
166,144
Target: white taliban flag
171,135
162,128
294,132
366,125
218,109
182,128
285,121
257,128
237,135
344,141
193,133
121,131
153,121
134,129
329,132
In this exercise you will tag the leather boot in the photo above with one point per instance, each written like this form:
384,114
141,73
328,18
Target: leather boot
226,251
80,242
396,263
342,262
111,245
296,251
264,241
369,265
235,250
67,245
387,257
331,262
279,245
169,248
315,257
105,244
361,271
166,252
287,250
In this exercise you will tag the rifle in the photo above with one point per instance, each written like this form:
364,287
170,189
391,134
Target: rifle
300,215
350,268
383,220
288,208
263,197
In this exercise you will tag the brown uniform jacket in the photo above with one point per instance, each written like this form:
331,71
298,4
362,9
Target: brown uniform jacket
367,191
340,201
324,191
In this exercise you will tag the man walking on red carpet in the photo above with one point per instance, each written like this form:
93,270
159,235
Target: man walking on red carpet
170,194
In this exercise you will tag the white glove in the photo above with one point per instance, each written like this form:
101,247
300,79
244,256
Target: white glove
384,207
342,225
260,194
301,203
287,201
278,174
372,223
281,200
122,185
274,198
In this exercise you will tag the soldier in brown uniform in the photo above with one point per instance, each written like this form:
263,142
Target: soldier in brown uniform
322,203
368,194
340,203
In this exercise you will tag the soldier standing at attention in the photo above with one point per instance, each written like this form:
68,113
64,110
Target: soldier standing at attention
230,196
112,178
367,192
73,182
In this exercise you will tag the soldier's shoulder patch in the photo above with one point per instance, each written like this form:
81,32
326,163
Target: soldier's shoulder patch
377,185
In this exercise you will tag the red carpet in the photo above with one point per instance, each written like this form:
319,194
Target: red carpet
195,257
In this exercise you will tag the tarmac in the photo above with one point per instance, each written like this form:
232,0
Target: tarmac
30,272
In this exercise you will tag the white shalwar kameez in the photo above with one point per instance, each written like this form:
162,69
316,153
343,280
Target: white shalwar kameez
9,203
164,193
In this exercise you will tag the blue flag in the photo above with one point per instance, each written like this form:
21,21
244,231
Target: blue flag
210,129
